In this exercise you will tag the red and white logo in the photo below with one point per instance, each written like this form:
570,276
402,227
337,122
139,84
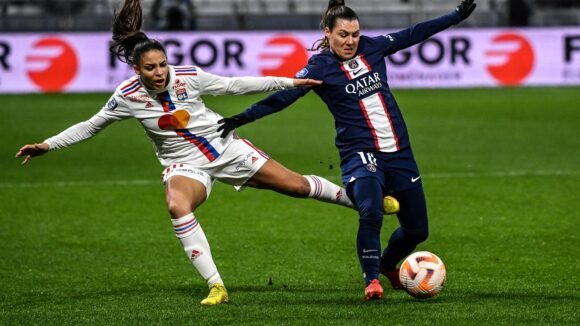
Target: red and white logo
195,254
283,57
52,65
511,59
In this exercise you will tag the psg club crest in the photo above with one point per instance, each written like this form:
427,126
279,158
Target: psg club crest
371,167
181,94
353,64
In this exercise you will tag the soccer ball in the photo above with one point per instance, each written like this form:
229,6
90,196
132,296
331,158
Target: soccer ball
422,274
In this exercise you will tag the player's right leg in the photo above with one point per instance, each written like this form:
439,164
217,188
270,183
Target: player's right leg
413,230
184,192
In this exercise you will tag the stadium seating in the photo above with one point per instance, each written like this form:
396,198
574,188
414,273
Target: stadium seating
85,15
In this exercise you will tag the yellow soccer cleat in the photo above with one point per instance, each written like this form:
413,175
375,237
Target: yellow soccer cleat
391,205
217,295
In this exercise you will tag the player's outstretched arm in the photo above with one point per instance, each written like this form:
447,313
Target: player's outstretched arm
422,31
306,82
31,150
271,104
465,8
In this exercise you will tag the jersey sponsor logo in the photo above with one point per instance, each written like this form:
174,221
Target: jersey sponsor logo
52,65
365,85
177,120
139,98
283,57
511,59
178,84
112,104
181,94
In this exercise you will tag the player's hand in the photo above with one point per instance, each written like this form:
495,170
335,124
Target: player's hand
31,150
306,82
465,8
229,124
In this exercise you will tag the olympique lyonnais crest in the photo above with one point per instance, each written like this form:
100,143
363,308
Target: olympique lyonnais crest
181,94
353,64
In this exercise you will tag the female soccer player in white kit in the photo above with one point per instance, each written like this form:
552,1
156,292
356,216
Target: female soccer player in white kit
166,101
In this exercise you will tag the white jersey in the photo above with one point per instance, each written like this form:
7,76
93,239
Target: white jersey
181,127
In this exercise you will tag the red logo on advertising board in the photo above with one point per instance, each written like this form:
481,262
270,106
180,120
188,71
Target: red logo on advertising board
52,65
514,58
289,55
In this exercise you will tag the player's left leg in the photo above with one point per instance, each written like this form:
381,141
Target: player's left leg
273,175
184,192
414,229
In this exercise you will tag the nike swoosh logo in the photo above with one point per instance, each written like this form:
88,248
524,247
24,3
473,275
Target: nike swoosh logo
415,179
357,71
370,250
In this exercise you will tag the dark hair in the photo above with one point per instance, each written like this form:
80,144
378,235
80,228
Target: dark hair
129,42
336,10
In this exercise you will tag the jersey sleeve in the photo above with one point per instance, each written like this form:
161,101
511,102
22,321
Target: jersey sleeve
211,84
415,34
115,109
283,99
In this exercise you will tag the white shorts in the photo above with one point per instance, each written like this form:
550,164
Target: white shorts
235,166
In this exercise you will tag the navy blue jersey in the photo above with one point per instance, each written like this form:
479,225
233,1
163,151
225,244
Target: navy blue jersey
356,91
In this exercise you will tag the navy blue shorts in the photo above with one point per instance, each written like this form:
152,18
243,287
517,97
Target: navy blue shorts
395,171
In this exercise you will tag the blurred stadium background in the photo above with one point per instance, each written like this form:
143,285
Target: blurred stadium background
95,15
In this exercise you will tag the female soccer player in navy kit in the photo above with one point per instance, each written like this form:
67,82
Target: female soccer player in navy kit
166,101
371,136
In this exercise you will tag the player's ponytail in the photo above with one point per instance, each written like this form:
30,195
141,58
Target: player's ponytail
337,9
129,42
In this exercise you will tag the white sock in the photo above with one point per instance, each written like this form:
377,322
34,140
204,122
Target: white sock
326,191
189,232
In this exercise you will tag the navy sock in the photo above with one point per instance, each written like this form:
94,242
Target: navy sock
368,197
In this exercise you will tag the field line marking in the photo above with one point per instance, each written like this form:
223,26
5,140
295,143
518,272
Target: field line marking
148,182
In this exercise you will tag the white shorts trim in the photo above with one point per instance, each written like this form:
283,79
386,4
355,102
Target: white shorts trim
235,166
189,172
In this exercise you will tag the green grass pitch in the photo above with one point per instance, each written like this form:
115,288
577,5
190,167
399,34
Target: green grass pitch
85,237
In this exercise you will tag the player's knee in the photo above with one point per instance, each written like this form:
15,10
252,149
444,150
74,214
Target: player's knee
418,235
177,208
298,187
374,221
